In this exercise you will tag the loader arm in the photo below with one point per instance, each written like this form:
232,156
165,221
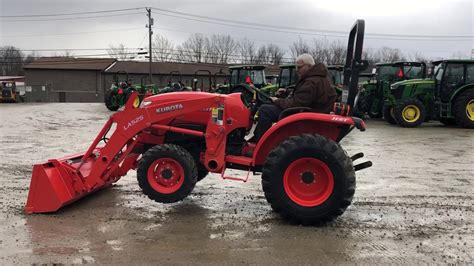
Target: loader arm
73,177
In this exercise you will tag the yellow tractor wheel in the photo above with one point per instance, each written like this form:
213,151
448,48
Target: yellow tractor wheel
410,113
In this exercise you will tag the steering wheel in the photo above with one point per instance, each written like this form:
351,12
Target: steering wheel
288,91
247,95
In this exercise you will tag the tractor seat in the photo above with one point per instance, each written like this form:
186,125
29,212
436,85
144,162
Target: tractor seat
294,110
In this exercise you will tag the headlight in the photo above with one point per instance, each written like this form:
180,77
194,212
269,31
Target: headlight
145,104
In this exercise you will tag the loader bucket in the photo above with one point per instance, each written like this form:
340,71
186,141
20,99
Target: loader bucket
57,183
60,182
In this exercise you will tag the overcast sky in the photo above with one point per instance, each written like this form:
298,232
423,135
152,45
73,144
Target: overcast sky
444,27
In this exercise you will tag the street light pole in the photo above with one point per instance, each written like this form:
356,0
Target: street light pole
150,33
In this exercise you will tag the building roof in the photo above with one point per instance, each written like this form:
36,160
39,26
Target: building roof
132,67
70,63
12,78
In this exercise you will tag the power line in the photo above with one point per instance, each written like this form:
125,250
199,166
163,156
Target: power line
254,25
70,33
69,14
322,32
68,49
72,18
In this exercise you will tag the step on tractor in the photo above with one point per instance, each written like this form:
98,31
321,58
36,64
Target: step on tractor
374,92
448,97
173,140
122,88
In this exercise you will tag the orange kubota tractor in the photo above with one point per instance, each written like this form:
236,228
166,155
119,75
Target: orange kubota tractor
174,139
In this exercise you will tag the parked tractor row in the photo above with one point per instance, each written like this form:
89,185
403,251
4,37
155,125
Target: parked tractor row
401,93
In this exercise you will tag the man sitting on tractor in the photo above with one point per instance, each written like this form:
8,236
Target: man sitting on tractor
313,89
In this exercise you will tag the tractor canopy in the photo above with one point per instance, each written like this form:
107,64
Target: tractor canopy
248,74
392,72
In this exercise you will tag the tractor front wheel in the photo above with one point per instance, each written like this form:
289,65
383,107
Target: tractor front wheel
389,115
308,179
464,109
410,113
167,173
111,100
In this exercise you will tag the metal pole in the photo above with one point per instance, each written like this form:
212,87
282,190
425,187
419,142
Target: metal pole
150,33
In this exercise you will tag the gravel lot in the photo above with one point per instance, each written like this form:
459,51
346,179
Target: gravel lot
415,205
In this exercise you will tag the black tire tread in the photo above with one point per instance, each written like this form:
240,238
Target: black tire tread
333,152
459,110
108,101
387,115
172,151
399,114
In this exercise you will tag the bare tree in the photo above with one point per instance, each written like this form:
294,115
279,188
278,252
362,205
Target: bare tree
369,55
320,50
262,55
119,51
420,58
299,47
275,54
337,52
162,49
458,55
247,51
223,46
11,61
388,55
193,49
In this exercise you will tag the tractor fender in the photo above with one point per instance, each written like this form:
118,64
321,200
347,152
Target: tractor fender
461,90
326,125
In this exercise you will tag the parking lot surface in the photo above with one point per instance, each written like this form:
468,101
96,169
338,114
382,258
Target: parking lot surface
415,205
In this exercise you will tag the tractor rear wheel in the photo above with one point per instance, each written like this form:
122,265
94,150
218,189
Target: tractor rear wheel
167,173
308,179
389,115
111,100
410,113
463,110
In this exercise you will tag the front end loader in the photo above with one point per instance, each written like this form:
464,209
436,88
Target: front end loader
173,140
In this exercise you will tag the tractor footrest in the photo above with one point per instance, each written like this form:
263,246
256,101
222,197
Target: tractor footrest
239,160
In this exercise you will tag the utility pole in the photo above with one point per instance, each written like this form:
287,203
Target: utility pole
150,33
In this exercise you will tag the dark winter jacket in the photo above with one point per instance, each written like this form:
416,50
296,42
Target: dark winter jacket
313,89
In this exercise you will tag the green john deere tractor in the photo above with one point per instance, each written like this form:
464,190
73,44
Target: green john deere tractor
242,76
336,74
410,102
119,91
374,91
175,83
449,97
286,79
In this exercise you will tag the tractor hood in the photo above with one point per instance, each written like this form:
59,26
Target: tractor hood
412,82
177,97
